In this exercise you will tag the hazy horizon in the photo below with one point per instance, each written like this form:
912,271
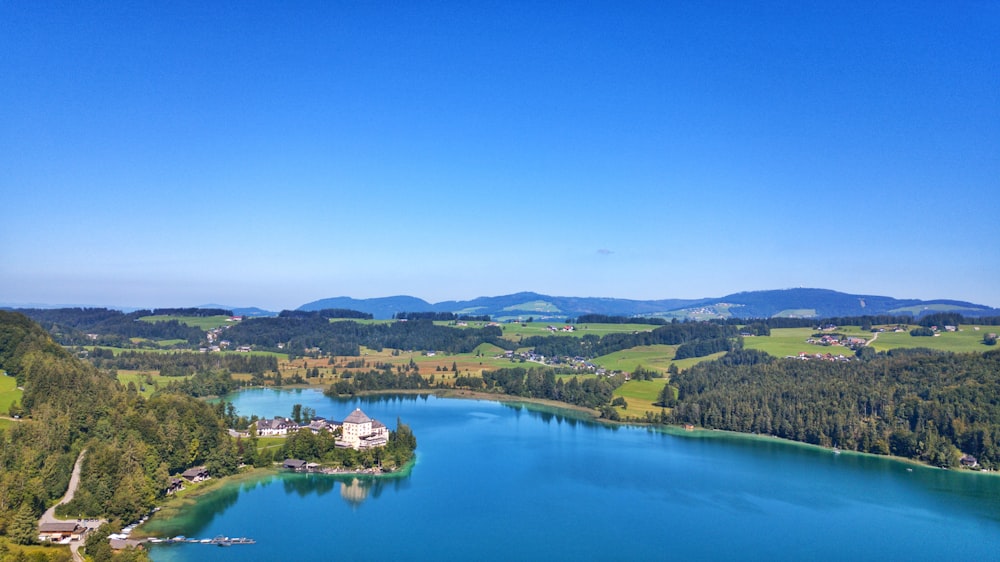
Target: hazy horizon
273,155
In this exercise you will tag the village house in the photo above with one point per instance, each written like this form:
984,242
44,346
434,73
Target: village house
60,531
196,474
361,432
277,426
176,485
322,424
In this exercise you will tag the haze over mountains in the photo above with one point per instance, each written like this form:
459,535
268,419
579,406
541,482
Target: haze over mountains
806,303
754,304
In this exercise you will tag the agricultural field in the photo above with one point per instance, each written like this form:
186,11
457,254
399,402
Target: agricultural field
655,357
200,322
640,396
9,393
967,340
790,341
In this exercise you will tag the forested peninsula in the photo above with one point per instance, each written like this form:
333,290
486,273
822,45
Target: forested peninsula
938,407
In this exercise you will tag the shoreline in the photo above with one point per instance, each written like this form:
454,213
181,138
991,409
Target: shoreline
594,415
174,507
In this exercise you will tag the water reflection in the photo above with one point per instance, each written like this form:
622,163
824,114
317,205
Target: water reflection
303,485
548,414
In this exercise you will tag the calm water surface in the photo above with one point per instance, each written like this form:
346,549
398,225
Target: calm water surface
495,481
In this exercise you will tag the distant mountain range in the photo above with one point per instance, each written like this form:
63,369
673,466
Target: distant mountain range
819,303
803,303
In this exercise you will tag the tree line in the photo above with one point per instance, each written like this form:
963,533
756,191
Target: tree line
296,335
101,326
183,362
920,404
590,345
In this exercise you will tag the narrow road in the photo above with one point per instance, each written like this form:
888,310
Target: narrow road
50,514
871,341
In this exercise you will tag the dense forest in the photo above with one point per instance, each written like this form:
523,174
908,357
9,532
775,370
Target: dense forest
101,326
346,338
704,338
919,404
132,444
183,362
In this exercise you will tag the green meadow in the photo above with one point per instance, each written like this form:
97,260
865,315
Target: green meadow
658,357
640,396
967,340
9,393
791,341
514,331
146,382
200,322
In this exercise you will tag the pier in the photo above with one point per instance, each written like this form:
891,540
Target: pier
217,541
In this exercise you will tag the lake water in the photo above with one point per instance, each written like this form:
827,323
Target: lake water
500,482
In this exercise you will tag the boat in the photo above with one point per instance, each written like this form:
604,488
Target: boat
222,541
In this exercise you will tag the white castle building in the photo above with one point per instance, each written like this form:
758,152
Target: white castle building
361,432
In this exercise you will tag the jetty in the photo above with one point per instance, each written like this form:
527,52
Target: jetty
217,541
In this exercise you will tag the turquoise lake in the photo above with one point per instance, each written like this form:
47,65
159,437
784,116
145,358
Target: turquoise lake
495,482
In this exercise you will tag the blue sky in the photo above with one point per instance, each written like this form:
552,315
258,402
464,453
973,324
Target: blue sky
272,154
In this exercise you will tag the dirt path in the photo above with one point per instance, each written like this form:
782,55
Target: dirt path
50,514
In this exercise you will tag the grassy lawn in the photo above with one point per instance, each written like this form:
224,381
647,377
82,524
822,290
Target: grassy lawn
640,396
269,443
139,379
788,341
6,424
200,322
967,340
9,393
656,357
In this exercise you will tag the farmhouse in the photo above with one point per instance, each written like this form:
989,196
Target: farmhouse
361,432
196,474
60,531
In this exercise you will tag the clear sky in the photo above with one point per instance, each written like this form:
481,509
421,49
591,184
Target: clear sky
272,154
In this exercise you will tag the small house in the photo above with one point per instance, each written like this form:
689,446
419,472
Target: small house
294,464
60,530
969,461
176,485
195,474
